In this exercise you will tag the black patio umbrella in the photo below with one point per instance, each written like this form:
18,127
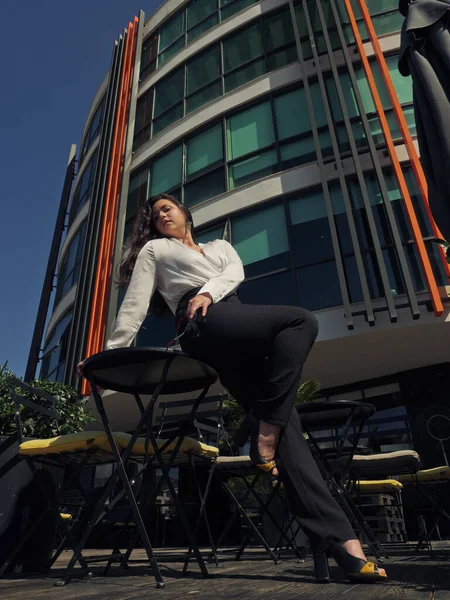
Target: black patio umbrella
425,55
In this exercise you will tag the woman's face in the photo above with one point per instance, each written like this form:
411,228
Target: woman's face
169,220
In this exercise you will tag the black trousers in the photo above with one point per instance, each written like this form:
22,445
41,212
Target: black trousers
259,353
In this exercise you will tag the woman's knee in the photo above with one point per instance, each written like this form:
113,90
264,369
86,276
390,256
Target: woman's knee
308,322
312,325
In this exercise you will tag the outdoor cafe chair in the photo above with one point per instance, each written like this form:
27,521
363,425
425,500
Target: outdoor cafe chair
69,453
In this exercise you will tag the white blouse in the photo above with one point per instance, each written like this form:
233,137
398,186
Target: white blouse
172,268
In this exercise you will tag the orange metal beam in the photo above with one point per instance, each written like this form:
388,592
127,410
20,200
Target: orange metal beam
111,223
423,255
404,129
96,333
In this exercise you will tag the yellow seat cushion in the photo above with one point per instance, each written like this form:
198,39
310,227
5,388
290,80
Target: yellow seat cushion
65,516
88,440
435,474
72,442
187,445
378,485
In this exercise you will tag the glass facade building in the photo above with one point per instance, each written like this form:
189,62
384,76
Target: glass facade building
286,128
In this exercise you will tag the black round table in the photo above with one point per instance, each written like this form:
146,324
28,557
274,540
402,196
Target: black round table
152,371
142,370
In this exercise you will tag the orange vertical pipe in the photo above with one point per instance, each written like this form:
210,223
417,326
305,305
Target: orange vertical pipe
127,81
96,332
404,129
110,222
423,256
99,279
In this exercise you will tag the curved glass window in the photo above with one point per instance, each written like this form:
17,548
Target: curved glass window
83,188
272,135
266,44
55,351
185,26
94,128
386,18
71,263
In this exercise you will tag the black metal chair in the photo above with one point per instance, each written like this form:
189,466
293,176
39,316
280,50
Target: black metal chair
63,452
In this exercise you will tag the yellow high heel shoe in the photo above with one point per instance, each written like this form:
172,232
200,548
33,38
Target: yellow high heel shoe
250,427
356,569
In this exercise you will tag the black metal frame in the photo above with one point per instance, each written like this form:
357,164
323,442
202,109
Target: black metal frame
47,286
337,484
161,458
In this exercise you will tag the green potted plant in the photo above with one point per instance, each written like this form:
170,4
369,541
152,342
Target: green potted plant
22,498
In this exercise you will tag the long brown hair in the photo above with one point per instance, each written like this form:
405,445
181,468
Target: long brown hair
144,230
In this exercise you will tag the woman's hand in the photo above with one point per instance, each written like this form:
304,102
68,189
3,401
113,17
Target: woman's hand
79,374
200,301
80,366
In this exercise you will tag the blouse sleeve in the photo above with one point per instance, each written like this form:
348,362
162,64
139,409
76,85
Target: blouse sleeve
230,278
135,305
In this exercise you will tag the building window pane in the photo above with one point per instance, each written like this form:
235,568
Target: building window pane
137,191
275,289
388,22
171,31
297,153
203,188
148,56
143,120
173,49
166,119
94,128
69,272
165,172
260,239
203,96
199,10
192,34
291,114
230,8
278,30
242,47
55,350
245,74
215,233
203,70
83,190
401,84
169,91
318,286
376,6
416,198
281,58
250,130
310,230
204,151
250,169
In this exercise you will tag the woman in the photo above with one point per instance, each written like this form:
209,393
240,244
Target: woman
258,352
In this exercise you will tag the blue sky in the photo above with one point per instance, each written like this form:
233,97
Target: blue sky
54,56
